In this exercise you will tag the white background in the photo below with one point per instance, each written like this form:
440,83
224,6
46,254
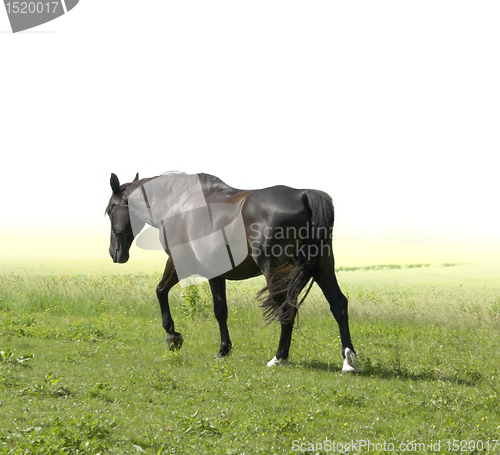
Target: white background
391,107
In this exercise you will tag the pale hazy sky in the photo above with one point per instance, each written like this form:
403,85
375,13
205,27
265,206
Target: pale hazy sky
391,107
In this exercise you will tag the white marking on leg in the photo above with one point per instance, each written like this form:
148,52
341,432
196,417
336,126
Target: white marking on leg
350,362
274,361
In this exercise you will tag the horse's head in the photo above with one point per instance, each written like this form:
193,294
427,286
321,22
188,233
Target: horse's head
121,228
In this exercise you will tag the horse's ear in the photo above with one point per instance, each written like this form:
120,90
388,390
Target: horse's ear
115,184
136,177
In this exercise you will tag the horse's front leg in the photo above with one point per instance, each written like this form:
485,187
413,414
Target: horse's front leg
218,287
169,279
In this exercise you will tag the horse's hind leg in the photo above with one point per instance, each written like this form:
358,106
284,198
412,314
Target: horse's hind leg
327,281
281,357
285,313
169,279
218,287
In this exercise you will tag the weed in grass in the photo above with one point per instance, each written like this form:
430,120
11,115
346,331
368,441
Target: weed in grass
495,309
197,300
9,357
47,387
162,381
84,435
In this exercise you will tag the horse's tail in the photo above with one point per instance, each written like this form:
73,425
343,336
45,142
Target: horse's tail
287,282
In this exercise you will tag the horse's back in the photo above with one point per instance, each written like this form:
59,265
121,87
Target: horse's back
277,206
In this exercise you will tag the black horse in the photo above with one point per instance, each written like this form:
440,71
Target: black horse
288,240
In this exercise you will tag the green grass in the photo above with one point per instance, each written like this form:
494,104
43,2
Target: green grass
84,367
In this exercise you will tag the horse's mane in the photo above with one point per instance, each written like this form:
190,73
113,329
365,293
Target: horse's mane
213,183
165,195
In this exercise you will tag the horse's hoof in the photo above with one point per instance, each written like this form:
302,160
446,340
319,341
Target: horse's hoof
274,361
174,341
350,363
225,349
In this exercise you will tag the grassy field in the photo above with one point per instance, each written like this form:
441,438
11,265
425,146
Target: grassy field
84,367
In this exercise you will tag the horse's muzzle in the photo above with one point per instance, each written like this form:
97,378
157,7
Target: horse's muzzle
119,257
119,247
